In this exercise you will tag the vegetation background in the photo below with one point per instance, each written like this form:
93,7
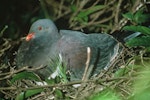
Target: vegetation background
116,17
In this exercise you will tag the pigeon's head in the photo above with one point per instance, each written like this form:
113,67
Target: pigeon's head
42,28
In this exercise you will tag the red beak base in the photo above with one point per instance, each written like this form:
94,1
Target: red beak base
30,36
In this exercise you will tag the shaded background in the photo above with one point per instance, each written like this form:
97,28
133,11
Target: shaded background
67,14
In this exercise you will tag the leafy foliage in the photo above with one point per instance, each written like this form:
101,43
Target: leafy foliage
28,93
83,16
144,30
25,75
139,41
138,18
106,94
141,85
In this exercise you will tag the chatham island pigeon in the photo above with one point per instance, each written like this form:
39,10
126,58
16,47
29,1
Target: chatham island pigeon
45,43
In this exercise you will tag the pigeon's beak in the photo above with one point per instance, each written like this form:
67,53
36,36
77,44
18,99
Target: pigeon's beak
30,36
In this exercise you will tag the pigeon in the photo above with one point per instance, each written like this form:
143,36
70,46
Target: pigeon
45,43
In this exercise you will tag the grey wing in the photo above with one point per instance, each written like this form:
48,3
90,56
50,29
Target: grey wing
108,47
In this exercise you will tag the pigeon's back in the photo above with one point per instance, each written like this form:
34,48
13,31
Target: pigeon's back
73,48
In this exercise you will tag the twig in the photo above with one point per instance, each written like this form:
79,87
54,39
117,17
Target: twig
6,46
2,31
10,74
66,84
60,7
81,5
85,76
137,5
117,12
95,23
44,8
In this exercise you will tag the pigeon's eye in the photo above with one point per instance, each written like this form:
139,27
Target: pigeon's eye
40,28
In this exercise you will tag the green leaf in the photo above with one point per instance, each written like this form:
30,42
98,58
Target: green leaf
148,49
139,41
73,8
128,15
142,29
50,81
2,98
28,93
62,72
90,10
125,71
107,94
25,75
59,65
58,94
141,85
83,15
121,72
145,30
140,17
